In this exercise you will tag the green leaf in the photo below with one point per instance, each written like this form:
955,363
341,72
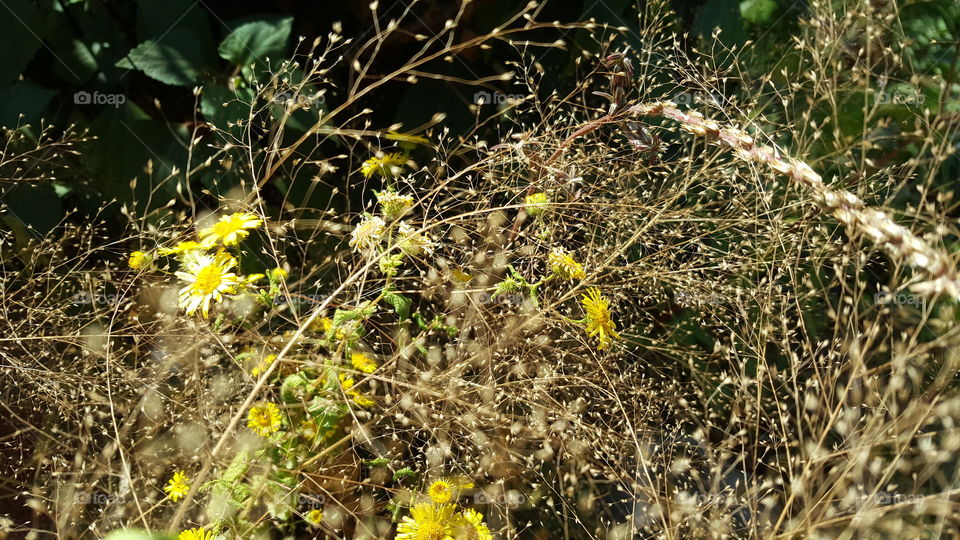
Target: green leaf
21,30
295,388
757,11
177,60
253,40
127,139
722,14
401,304
223,107
26,99
405,472
77,63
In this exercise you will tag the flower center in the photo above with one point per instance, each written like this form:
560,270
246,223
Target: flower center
226,227
432,531
208,279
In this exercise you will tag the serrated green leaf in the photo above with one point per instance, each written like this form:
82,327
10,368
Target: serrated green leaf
177,60
21,27
401,304
405,472
254,40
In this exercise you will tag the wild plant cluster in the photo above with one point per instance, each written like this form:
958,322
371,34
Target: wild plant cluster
621,317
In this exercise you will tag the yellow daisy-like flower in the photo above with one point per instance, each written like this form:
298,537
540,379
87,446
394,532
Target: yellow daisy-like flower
476,529
263,365
264,418
367,233
208,279
196,534
183,247
315,516
138,260
448,489
598,318
178,486
231,229
564,266
362,362
428,521
441,491
536,203
387,165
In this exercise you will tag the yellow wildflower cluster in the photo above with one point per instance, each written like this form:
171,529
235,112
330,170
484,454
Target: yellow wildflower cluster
208,277
440,519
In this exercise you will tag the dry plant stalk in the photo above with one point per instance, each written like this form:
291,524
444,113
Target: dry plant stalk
847,208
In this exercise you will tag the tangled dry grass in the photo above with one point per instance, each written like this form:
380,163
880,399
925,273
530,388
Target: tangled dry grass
775,376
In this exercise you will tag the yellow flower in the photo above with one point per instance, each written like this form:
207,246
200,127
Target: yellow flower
208,279
367,233
361,399
476,529
393,204
264,418
387,165
404,137
536,203
263,365
564,266
448,489
428,522
278,274
231,229
183,247
138,260
196,534
362,362
598,318
178,486
315,516
347,383
440,491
